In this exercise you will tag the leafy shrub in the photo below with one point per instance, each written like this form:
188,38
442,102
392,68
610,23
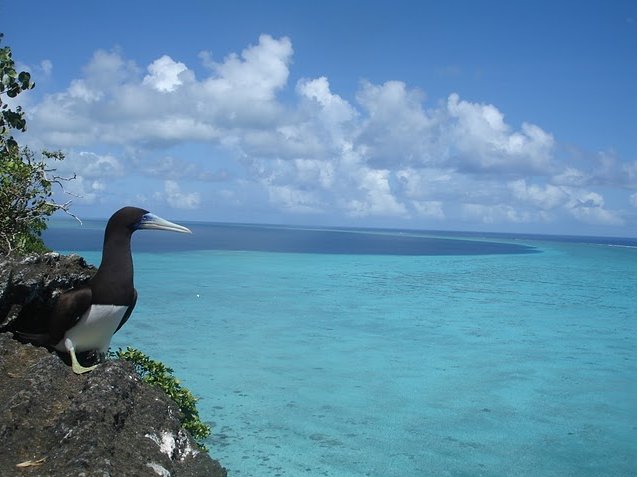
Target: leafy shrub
26,181
26,199
158,374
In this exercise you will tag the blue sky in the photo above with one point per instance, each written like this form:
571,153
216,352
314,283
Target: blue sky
448,115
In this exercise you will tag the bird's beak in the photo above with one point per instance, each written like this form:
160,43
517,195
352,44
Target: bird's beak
153,222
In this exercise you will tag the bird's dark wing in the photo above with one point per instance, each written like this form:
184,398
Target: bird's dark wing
68,310
128,311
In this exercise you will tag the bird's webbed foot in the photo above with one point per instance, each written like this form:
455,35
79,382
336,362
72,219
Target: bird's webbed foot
75,364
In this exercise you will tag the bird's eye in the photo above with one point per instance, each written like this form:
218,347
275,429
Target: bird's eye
136,225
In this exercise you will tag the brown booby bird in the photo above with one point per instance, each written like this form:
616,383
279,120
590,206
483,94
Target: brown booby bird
86,317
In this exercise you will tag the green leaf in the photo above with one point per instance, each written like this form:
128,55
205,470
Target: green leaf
158,374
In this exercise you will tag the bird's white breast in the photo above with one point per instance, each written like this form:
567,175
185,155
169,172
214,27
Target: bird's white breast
95,328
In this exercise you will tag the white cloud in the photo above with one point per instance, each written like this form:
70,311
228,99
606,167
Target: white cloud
112,104
166,75
79,89
183,169
293,199
377,196
333,109
427,183
257,74
177,199
92,165
544,197
84,175
584,205
495,214
570,176
47,67
396,130
589,207
44,68
431,209
387,154
107,72
482,141
84,191
320,173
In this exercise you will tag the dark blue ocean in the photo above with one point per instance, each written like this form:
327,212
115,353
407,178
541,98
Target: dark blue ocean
349,352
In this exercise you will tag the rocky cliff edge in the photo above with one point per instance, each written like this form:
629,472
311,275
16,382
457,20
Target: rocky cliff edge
56,423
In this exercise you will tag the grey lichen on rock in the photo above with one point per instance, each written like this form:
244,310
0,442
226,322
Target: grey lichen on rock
54,422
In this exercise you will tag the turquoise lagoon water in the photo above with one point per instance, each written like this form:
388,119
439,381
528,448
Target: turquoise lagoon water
347,364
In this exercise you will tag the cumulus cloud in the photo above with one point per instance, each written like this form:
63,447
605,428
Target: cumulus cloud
257,74
544,197
85,191
431,209
482,141
333,109
601,169
377,197
177,199
324,116
166,75
179,168
47,67
93,166
113,104
84,175
387,153
42,69
589,207
294,199
397,131
497,213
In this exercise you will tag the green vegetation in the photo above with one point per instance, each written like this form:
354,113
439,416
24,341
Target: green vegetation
25,200
13,83
157,374
26,181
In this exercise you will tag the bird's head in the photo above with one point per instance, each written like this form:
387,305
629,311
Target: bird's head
134,218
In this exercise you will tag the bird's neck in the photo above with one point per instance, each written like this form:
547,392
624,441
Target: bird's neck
113,281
